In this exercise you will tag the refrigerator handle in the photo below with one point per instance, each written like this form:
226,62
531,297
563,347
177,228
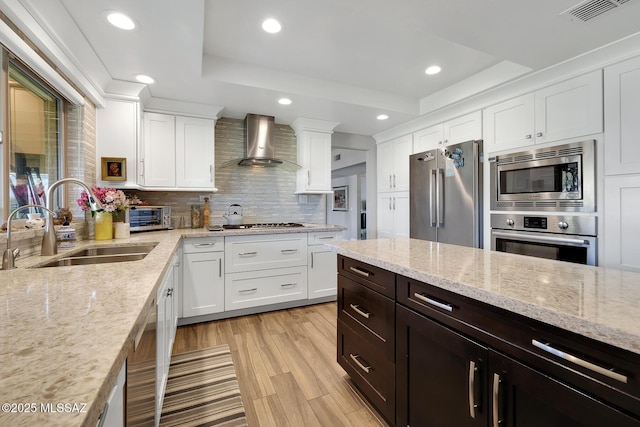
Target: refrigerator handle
432,191
440,197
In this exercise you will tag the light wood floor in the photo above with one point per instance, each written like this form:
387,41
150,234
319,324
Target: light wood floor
287,369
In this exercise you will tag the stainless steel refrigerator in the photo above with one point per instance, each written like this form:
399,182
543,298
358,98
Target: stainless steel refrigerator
445,194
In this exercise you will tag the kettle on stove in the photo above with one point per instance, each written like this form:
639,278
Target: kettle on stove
232,216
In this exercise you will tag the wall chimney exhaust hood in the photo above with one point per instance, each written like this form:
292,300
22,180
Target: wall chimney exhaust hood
259,145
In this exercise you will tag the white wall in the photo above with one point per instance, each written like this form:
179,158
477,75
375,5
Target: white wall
367,145
350,218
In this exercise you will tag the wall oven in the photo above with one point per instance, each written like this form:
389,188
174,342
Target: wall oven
560,237
559,179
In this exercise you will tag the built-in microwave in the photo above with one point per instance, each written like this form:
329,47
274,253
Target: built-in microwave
559,179
147,218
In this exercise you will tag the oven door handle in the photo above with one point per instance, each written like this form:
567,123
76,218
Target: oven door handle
543,239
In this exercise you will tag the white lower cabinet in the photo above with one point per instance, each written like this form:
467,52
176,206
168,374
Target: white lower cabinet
165,334
322,266
264,287
203,276
113,412
621,230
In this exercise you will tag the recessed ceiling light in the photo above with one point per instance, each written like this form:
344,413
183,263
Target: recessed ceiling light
144,79
284,101
434,69
382,117
121,21
271,25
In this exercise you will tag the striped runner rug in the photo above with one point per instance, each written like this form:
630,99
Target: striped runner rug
202,390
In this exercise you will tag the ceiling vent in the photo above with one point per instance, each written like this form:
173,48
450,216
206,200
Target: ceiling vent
589,9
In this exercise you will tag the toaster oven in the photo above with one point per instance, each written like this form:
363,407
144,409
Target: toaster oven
147,218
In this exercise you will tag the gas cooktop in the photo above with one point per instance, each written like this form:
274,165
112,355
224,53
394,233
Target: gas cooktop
258,225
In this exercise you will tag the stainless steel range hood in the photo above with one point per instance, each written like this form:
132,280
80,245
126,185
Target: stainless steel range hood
259,145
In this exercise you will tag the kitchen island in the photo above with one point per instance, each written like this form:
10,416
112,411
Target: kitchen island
492,324
65,332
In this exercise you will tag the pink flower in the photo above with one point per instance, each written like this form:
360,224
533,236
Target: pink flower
112,200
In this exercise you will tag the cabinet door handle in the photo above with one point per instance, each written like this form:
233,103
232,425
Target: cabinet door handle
288,285
438,304
288,251
247,253
142,165
389,203
360,272
472,389
394,203
242,291
539,134
580,362
363,366
311,259
219,267
390,184
103,416
356,308
308,177
497,419
394,180
527,136
211,173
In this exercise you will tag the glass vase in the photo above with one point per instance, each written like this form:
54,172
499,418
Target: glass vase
104,226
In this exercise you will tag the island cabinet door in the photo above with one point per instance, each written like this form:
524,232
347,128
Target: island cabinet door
440,375
522,396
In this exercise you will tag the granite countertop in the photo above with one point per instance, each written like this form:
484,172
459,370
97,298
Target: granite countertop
595,302
66,331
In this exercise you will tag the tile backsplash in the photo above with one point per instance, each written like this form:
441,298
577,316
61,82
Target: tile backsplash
265,194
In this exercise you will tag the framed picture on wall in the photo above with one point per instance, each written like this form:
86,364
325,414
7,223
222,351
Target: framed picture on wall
114,168
341,198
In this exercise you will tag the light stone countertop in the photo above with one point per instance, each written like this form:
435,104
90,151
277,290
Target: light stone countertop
599,303
66,331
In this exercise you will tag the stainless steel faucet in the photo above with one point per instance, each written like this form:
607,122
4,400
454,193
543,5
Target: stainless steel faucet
49,241
9,256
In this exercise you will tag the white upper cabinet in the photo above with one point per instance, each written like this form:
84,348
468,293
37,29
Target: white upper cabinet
195,152
460,129
565,110
117,136
178,153
314,155
509,124
393,164
569,109
622,118
158,164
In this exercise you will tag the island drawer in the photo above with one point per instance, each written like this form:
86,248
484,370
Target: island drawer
368,368
606,372
322,237
370,314
375,278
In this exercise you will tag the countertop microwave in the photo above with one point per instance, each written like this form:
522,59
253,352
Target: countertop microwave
558,179
147,218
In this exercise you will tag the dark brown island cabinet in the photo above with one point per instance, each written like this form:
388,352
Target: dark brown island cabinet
426,357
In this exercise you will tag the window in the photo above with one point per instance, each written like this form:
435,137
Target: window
34,130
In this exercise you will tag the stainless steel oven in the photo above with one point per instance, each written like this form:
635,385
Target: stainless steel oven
559,179
569,238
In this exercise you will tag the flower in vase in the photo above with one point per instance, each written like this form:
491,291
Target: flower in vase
113,201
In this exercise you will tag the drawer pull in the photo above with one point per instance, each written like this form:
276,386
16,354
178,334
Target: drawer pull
356,359
360,272
433,302
247,253
497,418
288,251
204,245
357,309
580,362
288,285
472,389
243,291
327,238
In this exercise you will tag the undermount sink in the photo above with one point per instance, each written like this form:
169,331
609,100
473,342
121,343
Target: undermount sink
102,255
